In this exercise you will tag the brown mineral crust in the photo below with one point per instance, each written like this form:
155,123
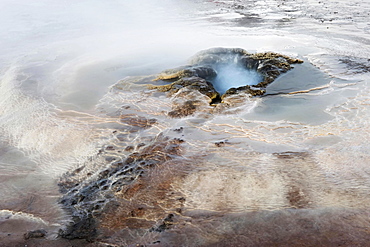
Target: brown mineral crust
92,202
297,198
199,74
273,55
194,83
148,200
246,89
290,155
173,75
137,121
150,194
129,148
271,65
164,148
186,109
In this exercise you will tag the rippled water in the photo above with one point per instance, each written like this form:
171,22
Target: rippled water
298,156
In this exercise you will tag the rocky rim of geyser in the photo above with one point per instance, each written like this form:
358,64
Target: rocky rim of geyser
114,194
200,73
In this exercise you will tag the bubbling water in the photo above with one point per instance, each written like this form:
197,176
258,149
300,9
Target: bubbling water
234,75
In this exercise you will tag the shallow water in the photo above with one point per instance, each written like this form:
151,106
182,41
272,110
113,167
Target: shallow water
296,155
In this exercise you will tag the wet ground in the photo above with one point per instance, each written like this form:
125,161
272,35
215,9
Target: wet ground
286,169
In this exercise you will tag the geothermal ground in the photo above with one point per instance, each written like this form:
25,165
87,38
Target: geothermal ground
121,127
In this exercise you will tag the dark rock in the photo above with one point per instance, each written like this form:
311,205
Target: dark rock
110,148
179,129
78,170
140,145
129,148
221,143
83,228
35,234
166,224
182,199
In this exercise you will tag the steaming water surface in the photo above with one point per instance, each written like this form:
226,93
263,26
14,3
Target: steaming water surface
303,145
234,76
